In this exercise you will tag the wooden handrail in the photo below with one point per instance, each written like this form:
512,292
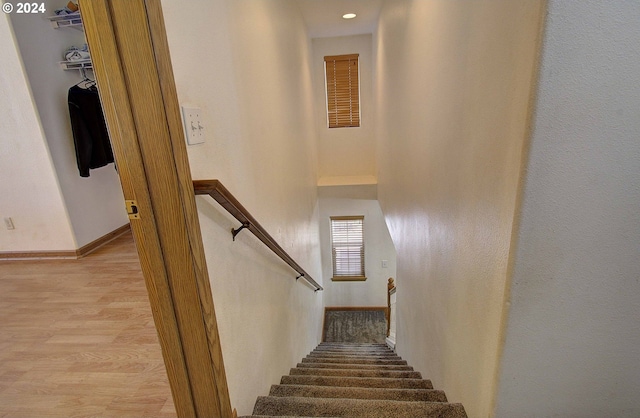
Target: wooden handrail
391,287
220,194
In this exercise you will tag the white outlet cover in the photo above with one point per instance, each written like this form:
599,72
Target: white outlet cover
193,128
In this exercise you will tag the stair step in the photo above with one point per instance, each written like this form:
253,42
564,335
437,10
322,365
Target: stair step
355,381
366,382
351,354
345,344
278,416
353,361
363,355
380,349
354,366
394,374
354,353
429,395
355,408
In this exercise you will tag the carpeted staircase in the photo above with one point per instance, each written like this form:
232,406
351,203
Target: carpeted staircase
355,380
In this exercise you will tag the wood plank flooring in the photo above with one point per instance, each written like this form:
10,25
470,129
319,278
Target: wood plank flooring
77,338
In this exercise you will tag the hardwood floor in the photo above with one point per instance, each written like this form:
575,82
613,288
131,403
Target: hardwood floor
77,338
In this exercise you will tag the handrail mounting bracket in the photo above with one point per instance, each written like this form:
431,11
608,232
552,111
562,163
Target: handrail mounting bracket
235,232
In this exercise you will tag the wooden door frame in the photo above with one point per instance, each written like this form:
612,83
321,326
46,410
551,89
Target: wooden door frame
131,61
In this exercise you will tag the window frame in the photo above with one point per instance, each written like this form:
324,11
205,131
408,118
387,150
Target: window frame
342,110
336,275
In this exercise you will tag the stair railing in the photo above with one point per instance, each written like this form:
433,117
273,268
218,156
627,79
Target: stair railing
391,312
220,194
391,288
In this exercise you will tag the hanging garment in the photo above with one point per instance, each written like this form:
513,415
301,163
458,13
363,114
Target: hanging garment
93,149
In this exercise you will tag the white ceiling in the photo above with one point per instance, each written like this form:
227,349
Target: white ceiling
324,17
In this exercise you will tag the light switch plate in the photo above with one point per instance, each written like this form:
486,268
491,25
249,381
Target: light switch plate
193,128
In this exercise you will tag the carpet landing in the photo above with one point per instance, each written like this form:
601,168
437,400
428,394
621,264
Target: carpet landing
355,326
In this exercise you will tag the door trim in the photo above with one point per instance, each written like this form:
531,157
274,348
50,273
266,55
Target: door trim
130,54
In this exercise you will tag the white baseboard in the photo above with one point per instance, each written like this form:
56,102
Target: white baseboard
391,343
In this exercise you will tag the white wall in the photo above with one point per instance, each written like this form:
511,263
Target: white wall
95,204
344,152
246,64
453,83
572,344
378,247
29,190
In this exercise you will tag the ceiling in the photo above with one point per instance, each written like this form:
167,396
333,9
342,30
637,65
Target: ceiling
324,17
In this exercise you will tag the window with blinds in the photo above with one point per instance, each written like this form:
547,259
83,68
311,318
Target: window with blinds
343,91
347,247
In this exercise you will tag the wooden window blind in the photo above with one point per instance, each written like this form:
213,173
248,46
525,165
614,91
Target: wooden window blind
347,247
343,91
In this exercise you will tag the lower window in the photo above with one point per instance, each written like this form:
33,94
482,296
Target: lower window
347,248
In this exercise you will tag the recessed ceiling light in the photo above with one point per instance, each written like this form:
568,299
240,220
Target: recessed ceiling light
349,16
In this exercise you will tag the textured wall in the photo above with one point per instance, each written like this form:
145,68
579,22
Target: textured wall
572,344
29,190
95,204
453,83
246,63
344,151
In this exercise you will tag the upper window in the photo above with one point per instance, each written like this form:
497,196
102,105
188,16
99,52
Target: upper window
343,91
347,247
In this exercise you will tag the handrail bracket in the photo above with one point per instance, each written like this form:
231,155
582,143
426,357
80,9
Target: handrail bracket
236,231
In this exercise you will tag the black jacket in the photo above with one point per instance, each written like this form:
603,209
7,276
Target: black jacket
93,148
